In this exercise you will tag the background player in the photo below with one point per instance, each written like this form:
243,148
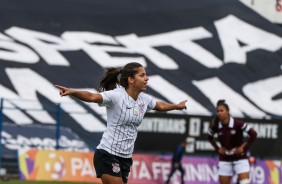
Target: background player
232,149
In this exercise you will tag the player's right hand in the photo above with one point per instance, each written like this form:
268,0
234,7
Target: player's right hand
64,91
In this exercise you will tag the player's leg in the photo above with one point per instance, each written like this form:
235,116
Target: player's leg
224,179
242,169
109,179
180,168
244,178
107,167
126,163
172,170
225,171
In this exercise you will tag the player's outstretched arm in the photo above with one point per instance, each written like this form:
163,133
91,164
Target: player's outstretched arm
165,106
81,95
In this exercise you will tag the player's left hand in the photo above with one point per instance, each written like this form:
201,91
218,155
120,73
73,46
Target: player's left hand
182,105
240,150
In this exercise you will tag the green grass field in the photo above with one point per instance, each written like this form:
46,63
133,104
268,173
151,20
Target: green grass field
39,182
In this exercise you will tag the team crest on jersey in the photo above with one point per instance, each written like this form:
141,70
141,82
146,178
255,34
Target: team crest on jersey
233,132
135,111
116,168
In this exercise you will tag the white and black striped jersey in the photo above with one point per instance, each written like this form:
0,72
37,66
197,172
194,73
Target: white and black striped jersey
124,115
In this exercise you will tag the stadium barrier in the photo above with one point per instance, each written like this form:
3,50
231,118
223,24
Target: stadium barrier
30,124
52,165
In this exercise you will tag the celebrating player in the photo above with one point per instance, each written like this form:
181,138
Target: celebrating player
126,103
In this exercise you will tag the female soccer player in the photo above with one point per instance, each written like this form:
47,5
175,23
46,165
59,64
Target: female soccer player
232,149
126,103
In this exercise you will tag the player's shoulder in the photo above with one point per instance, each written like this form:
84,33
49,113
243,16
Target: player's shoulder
115,94
238,122
144,95
118,91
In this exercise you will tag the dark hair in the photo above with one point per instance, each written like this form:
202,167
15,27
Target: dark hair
215,120
111,78
222,102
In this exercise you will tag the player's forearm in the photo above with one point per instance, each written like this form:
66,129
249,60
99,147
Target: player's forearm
85,96
165,106
213,143
252,138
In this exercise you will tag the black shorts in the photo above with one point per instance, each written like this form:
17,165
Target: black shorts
106,163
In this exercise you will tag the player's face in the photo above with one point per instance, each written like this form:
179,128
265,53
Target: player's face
222,113
140,80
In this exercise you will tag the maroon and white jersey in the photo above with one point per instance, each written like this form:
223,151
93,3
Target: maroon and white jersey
231,136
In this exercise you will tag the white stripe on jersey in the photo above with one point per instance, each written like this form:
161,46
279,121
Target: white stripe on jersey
246,127
210,132
124,115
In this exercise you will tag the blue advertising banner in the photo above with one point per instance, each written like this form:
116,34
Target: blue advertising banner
37,136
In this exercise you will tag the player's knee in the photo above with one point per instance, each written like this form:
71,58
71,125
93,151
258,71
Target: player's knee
245,181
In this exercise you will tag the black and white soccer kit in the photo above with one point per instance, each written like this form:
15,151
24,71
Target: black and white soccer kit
124,115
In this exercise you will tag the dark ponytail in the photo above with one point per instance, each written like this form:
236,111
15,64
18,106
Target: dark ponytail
214,122
111,78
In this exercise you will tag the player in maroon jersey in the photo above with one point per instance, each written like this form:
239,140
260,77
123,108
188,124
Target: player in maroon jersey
232,149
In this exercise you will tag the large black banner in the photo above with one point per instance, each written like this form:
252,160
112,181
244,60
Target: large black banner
163,132
195,50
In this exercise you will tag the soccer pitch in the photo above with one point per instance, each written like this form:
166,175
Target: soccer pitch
40,182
